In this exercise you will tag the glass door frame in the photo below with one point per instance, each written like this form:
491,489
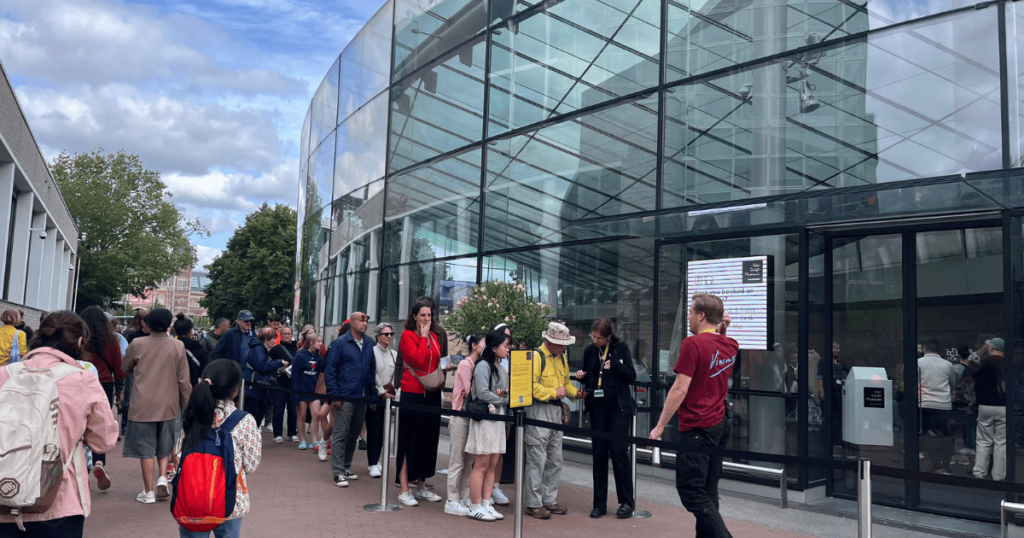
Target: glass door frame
908,407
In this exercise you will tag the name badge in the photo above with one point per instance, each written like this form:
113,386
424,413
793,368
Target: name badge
599,393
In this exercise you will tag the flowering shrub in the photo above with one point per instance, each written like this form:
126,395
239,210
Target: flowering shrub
497,302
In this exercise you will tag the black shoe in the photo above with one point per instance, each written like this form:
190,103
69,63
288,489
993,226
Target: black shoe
625,511
598,512
362,444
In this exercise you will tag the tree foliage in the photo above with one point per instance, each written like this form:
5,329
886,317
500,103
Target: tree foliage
256,271
496,302
131,235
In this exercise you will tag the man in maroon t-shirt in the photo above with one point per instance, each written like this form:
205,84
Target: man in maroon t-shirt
698,394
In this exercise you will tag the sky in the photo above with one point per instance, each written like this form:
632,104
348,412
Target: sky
212,93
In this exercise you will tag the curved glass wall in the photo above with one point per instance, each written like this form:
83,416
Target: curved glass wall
626,138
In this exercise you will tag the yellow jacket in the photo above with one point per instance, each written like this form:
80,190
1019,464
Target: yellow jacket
7,334
555,374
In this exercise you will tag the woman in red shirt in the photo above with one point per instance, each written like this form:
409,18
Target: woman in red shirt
418,432
103,351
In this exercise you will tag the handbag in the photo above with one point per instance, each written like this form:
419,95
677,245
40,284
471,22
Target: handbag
434,380
476,406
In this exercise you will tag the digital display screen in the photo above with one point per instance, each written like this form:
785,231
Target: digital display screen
742,284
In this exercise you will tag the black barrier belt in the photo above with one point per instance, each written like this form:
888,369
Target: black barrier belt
679,448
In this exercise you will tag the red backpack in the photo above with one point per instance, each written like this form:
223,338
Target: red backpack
204,488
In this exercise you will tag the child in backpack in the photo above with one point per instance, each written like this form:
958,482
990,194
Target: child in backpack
83,415
210,405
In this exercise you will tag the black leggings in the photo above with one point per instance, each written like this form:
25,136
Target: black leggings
65,527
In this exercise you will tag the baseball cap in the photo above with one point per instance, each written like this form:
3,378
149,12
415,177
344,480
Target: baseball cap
997,344
245,315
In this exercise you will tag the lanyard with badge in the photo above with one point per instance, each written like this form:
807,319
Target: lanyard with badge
599,393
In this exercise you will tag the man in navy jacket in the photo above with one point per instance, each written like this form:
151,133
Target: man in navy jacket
234,343
349,372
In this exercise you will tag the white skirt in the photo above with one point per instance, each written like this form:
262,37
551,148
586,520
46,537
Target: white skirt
486,437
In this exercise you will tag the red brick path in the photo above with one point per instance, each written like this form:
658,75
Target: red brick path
292,495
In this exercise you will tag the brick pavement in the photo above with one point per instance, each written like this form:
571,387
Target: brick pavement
292,494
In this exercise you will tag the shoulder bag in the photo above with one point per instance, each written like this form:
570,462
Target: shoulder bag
472,405
434,380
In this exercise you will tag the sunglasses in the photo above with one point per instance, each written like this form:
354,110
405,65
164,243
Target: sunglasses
387,334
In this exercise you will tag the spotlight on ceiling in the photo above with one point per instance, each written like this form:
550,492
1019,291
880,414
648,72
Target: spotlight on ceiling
808,102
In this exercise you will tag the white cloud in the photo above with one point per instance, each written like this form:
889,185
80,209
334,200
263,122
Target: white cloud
206,255
167,133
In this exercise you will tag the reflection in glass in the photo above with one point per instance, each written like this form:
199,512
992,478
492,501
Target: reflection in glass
438,108
357,213
573,54
1015,78
704,36
325,107
434,211
597,165
403,284
361,146
913,102
365,63
428,30
304,137
321,174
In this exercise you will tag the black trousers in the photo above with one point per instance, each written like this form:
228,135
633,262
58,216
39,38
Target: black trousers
65,527
607,417
281,402
697,477
256,408
374,432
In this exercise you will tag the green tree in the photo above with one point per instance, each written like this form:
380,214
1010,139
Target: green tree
256,271
131,235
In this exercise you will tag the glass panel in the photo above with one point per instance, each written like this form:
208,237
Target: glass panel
764,403
365,63
963,312
349,293
325,106
819,446
867,329
361,147
598,165
438,108
573,54
434,211
704,35
914,102
403,284
304,136
428,30
321,174
313,255
611,280
1015,77
356,214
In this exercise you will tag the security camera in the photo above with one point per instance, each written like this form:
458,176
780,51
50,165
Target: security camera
42,234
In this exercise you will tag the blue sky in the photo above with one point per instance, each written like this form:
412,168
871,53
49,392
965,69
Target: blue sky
212,94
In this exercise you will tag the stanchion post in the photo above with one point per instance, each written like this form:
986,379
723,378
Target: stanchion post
241,397
863,498
637,514
520,471
383,506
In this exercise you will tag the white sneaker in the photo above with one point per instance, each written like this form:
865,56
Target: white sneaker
163,489
407,499
480,513
455,508
498,496
375,470
322,453
428,495
467,502
278,439
295,438
489,506
146,497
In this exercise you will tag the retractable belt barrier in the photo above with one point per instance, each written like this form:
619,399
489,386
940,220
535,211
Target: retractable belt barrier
794,461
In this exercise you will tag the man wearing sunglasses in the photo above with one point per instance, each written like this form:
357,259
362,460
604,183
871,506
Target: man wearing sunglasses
385,355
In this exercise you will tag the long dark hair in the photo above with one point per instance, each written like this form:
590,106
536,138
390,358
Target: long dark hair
220,380
101,335
494,339
61,331
410,321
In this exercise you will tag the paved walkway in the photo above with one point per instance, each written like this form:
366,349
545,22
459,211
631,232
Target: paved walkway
292,494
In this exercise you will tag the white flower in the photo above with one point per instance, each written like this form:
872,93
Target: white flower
507,318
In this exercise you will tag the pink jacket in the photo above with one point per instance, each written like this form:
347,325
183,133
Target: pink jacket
84,414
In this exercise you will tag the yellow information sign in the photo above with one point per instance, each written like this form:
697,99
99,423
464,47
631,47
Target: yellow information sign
521,379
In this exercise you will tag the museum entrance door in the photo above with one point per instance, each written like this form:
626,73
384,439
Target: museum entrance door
912,307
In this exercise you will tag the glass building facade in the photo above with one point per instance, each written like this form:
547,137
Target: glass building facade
591,149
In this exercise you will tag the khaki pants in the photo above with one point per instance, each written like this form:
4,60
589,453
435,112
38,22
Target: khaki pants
543,456
991,442
459,462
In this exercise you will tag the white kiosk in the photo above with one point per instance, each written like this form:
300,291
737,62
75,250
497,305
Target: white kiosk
867,407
